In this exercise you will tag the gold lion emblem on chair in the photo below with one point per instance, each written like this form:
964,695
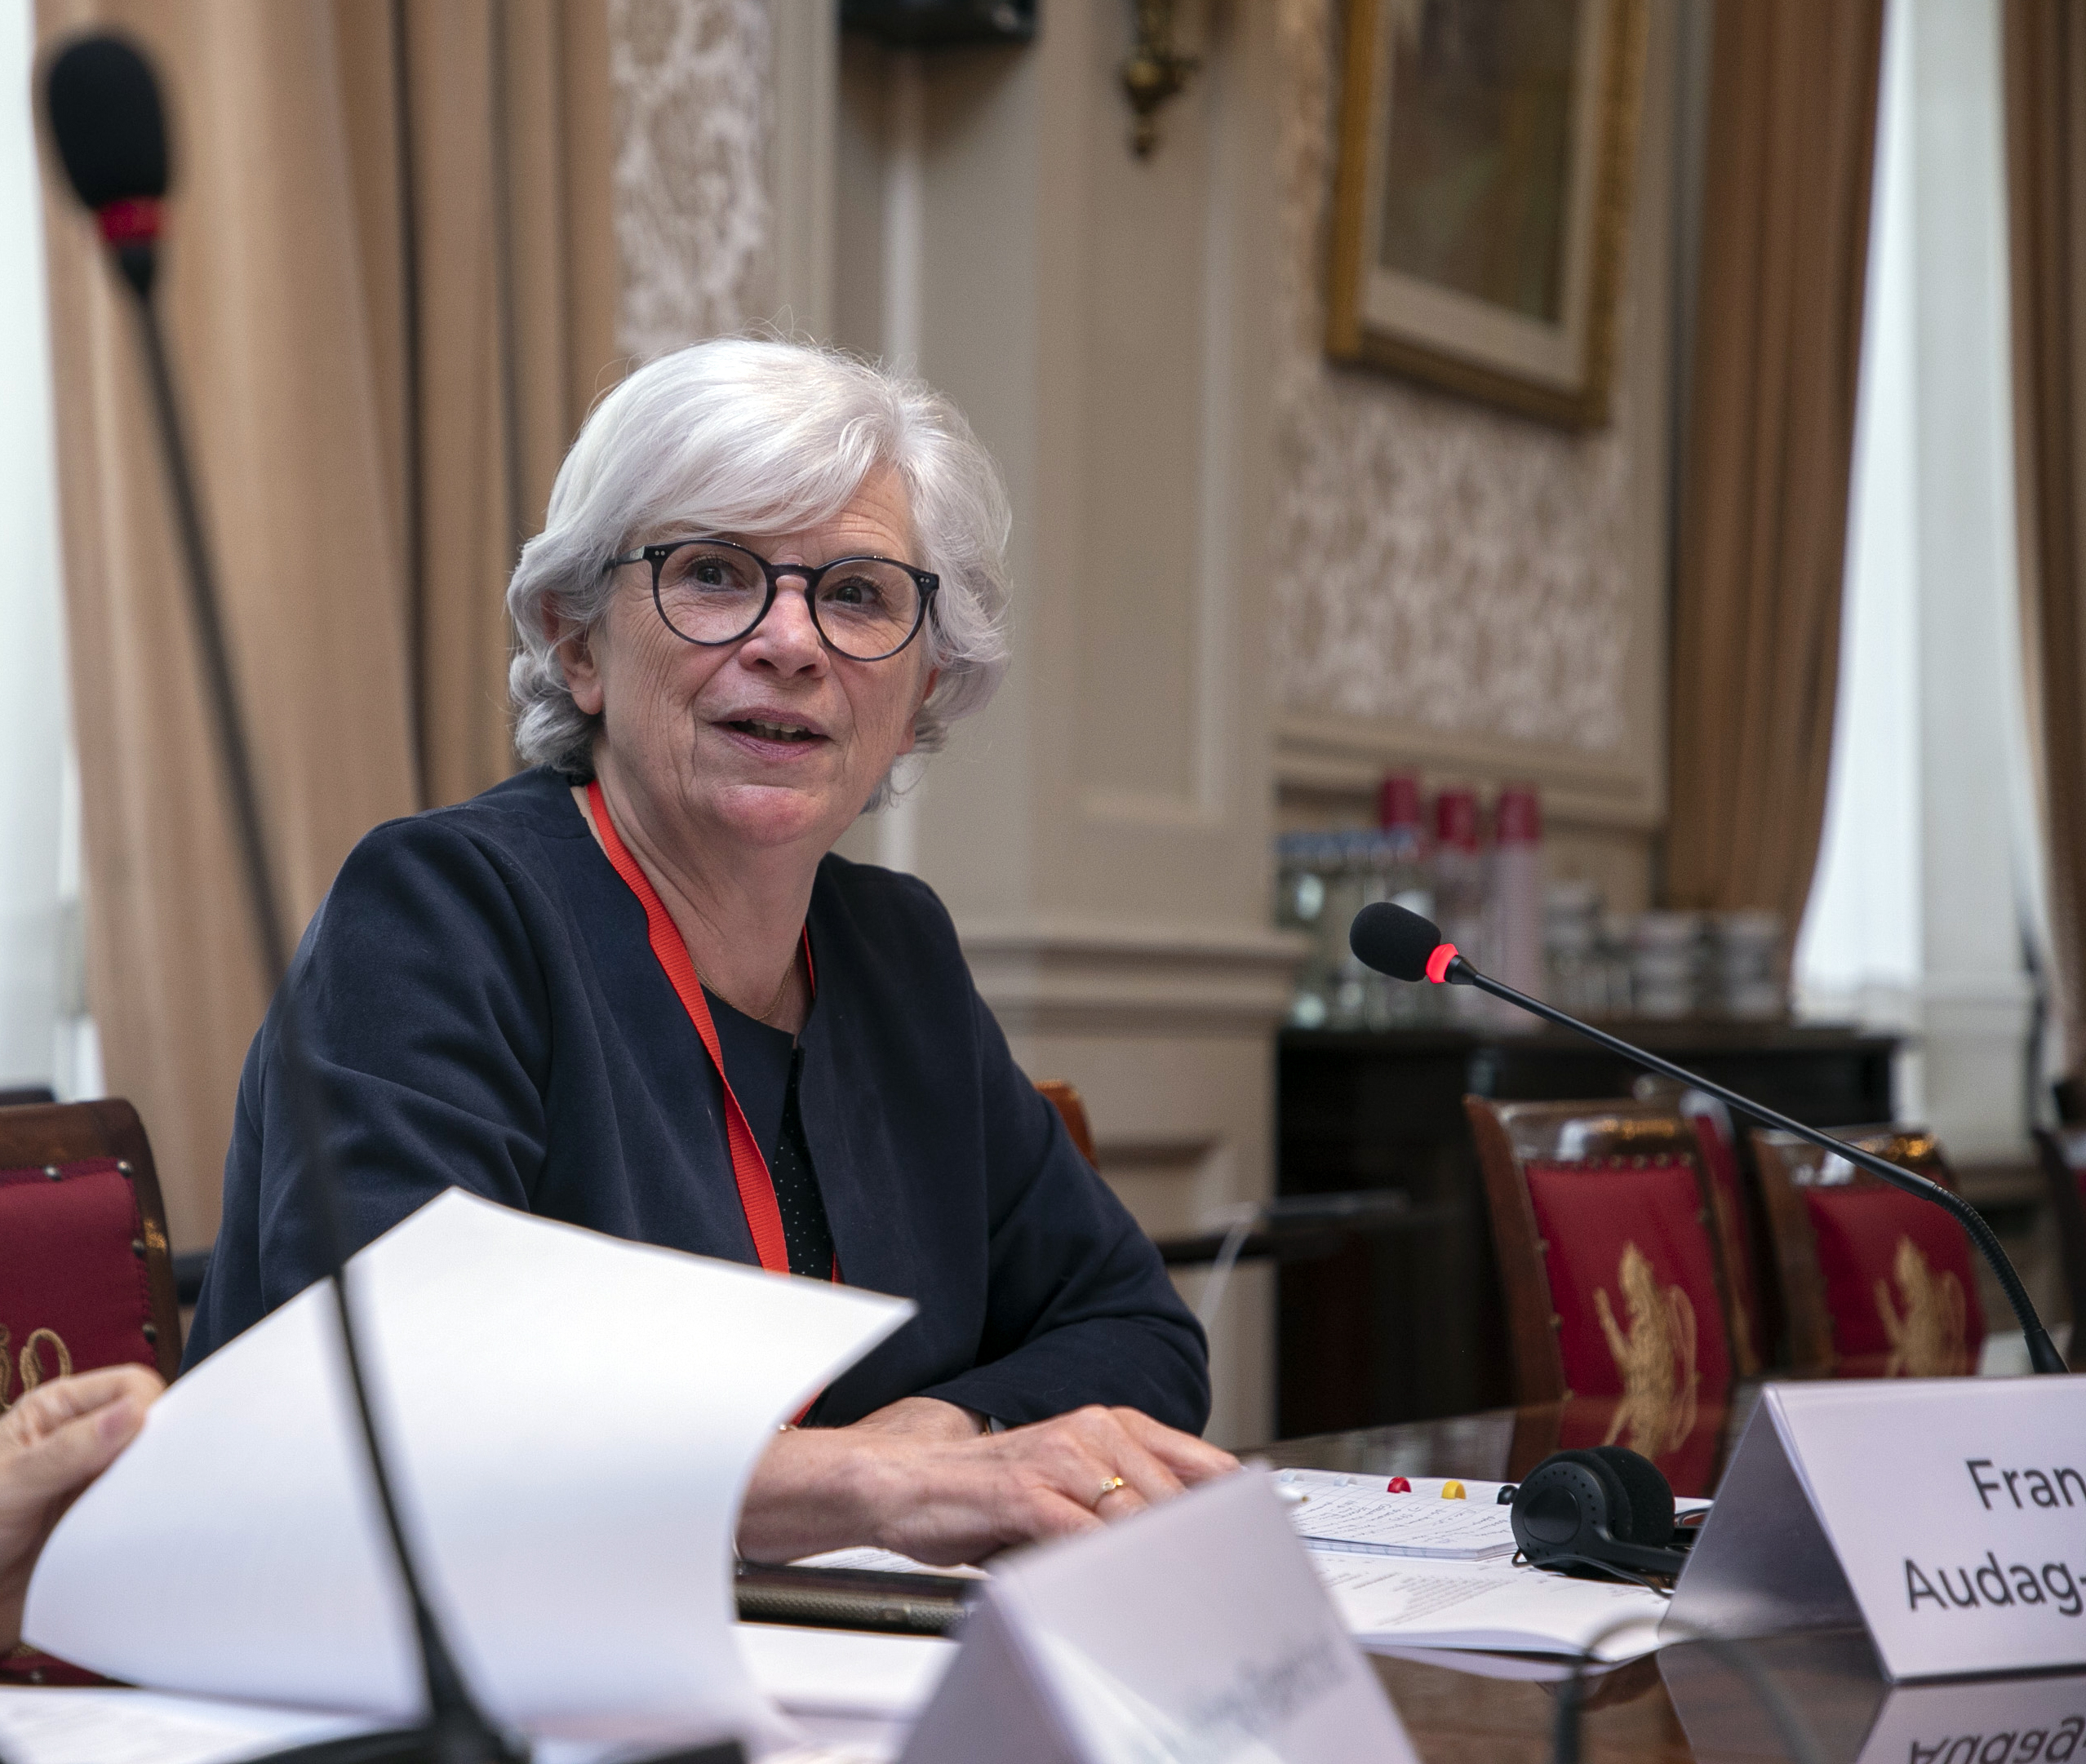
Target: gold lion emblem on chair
1656,1358
1927,1341
31,1362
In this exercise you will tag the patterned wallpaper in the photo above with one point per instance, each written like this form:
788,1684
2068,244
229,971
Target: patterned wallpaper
1439,563
694,231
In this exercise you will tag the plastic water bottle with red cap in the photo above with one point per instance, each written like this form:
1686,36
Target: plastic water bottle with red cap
1399,873
1458,867
1516,903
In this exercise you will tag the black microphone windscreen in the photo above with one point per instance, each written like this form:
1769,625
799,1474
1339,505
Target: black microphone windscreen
106,118
1393,940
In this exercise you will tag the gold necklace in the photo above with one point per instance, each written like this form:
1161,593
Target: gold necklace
774,1004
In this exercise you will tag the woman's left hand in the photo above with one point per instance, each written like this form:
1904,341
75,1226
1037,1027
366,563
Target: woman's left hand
55,1441
920,1477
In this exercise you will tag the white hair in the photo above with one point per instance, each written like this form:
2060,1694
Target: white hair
745,435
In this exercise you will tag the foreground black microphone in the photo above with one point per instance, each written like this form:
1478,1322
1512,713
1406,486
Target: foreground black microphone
106,116
1397,941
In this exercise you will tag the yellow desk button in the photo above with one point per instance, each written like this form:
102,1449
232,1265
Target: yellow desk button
1452,1491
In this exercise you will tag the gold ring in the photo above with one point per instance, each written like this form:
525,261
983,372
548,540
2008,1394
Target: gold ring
1108,1488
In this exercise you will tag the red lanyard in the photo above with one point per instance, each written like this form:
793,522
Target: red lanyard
749,1169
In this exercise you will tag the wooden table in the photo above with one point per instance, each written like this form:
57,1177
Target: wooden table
1682,1702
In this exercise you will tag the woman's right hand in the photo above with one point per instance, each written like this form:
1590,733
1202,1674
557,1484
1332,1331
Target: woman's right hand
919,1478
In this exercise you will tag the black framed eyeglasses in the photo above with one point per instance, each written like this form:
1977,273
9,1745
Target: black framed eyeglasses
711,592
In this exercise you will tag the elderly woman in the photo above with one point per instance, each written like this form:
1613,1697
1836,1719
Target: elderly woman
634,988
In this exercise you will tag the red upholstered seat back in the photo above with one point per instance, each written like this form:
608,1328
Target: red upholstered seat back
85,1278
75,1290
1633,1282
1901,1286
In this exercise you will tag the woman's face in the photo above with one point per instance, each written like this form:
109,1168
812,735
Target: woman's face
770,740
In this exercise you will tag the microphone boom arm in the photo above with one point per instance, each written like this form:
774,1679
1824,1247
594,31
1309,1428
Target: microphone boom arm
2041,1352
106,119
453,1713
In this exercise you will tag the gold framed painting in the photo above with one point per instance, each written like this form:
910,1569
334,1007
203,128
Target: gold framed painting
1482,201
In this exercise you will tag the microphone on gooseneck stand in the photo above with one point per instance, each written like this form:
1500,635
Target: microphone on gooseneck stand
1398,942
106,119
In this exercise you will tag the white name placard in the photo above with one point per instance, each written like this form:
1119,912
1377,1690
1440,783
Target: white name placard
1195,1633
1948,1515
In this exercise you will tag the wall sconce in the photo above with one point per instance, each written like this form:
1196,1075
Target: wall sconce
938,23
1155,72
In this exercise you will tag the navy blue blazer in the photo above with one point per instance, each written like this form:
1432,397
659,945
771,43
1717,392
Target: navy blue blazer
482,1008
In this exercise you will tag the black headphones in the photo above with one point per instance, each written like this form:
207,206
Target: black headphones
1604,1508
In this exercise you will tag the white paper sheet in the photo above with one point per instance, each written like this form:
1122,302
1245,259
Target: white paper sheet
864,1687
140,1728
1403,1525
845,1672
1477,1494
1486,1606
571,1421
868,1558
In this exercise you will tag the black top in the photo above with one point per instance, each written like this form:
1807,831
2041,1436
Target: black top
484,1010
763,1064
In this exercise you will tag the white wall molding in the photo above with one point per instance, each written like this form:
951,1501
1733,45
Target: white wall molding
1325,752
1070,977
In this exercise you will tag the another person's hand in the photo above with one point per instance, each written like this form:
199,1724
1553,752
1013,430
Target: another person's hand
53,1442
921,1478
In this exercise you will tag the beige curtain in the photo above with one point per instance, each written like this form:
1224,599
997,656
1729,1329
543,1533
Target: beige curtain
388,283
1763,523
2046,166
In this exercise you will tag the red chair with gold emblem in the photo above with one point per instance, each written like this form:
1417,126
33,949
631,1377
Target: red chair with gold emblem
85,1278
1875,1283
1604,1230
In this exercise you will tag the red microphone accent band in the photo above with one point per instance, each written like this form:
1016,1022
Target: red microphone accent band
1437,964
131,220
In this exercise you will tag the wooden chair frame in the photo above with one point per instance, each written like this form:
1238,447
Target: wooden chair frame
1509,1135
1064,1098
2070,1211
1806,1317
71,1132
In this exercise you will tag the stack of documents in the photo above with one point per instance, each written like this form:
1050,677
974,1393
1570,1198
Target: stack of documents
1481,1605
1345,1513
1432,1565
1418,1571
